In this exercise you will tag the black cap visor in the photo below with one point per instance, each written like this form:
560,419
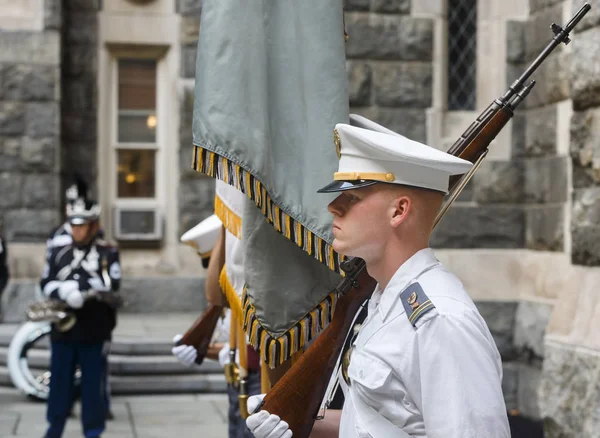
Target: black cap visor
342,185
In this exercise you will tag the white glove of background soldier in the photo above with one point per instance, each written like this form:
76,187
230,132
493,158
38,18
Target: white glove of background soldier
186,354
263,424
69,291
97,285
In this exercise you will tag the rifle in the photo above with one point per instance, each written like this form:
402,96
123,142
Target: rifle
297,396
200,332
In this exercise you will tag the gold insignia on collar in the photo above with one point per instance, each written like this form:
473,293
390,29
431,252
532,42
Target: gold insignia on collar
412,301
338,143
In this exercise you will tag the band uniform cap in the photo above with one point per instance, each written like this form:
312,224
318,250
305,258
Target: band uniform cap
369,156
78,189
203,236
82,211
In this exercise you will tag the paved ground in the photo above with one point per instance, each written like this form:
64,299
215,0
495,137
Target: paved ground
181,416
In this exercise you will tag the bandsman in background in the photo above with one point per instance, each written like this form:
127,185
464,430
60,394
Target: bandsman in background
61,236
84,275
423,362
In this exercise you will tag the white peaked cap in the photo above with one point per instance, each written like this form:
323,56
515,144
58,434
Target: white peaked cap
371,153
363,122
203,236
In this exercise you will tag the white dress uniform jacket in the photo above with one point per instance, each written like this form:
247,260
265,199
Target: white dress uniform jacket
438,378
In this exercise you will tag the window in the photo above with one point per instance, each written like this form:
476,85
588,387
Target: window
136,128
462,46
137,166
136,173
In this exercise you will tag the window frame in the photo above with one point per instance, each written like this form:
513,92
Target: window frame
133,52
447,74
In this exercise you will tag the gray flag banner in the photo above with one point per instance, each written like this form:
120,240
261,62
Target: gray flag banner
270,87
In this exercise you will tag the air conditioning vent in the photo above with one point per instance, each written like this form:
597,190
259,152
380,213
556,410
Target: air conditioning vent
137,224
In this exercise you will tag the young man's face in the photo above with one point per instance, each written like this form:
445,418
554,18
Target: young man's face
81,233
361,223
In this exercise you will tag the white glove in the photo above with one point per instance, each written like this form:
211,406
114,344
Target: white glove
75,299
97,284
66,287
263,424
69,291
224,358
186,354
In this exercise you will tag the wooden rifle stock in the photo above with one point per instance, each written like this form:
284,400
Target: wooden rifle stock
296,397
201,331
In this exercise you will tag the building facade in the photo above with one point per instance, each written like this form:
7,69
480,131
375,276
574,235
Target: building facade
107,88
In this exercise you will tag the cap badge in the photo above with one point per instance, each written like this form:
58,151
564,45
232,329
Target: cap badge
338,143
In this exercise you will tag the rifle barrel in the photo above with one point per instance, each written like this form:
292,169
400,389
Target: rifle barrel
561,35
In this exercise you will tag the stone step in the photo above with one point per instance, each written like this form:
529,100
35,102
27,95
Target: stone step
127,365
155,384
140,359
142,295
121,345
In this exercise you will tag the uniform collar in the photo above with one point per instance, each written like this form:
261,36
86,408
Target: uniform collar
421,261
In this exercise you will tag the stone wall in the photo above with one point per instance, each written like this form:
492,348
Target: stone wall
80,92
518,329
540,151
585,144
30,98
389,55
536,130
569,391
196,191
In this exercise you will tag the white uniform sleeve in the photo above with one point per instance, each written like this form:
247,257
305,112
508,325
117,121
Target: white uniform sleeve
460,379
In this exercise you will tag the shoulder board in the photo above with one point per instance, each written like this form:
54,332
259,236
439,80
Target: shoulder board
415,302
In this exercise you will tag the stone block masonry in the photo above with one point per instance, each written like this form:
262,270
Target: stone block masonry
79,91
30,95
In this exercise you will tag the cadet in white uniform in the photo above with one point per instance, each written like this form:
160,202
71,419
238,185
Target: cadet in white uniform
424,363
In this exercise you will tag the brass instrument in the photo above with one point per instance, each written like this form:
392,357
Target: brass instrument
59,312
55,311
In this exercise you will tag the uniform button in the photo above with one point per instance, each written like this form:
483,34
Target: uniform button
361,374
76,277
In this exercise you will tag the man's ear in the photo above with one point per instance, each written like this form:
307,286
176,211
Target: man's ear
401,206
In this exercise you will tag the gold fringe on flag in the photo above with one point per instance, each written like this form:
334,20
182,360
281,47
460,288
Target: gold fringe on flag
212,164
235,303
231,221
274,351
